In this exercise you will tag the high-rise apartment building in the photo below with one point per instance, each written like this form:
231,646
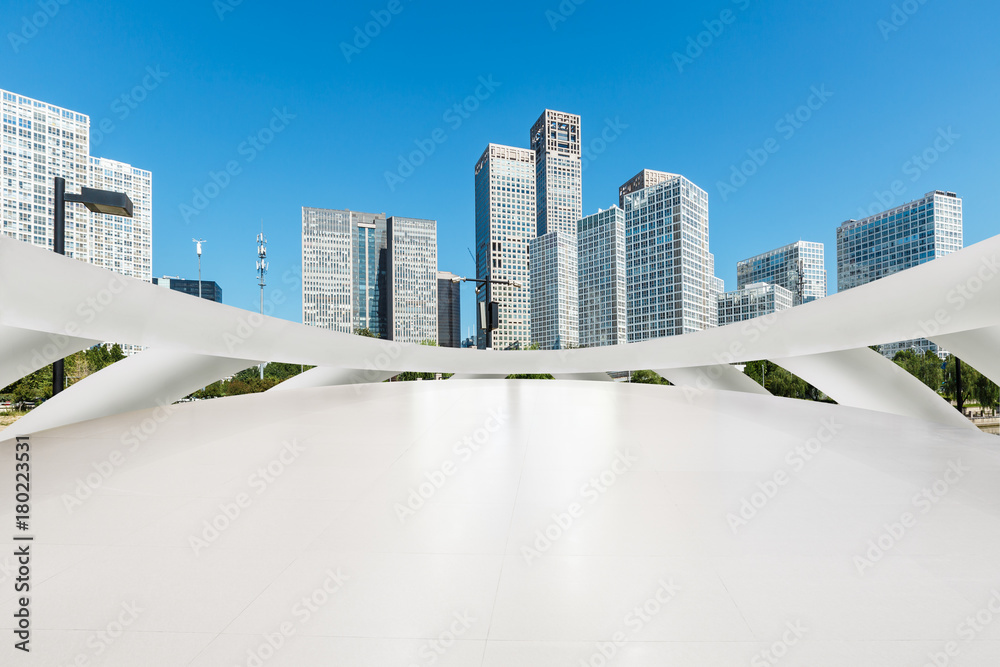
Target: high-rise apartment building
344,258
900,238
449,310
644,179
601,278
798,267
123,245
412,288
752,301
670,286
505,223
555,322
40,141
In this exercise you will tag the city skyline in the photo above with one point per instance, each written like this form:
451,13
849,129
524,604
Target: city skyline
143,113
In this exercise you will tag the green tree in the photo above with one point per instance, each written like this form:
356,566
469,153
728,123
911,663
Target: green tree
364,331
925,366
647,377
986,391
780,382
34,387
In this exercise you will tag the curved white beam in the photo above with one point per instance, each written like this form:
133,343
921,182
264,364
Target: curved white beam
720,377
25,351
324,376
148,379
590,377
863,378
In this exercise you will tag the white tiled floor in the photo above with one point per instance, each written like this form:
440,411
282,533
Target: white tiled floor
410,532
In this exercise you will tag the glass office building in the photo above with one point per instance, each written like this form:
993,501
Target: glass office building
368,273
898,239
798,267
601,278
412,279
449,310
555,139
670,286
554,302
752,301
505,223
209,289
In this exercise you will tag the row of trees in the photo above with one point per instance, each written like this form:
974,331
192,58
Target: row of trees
248,381
37,386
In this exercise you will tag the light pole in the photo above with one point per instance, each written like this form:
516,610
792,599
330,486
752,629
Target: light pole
261,271
489,312
96,201
197,248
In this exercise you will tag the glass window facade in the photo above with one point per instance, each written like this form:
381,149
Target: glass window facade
752,301
601,278
412,279
798,267
554,301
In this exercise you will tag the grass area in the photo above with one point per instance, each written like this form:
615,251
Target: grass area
8,418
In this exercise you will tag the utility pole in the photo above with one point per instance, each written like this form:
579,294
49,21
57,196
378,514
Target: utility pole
198,243
261,271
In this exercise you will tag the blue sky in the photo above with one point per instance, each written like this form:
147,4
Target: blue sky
897,80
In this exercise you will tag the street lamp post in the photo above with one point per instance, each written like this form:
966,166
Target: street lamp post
261,271
490,314
197,249
96,201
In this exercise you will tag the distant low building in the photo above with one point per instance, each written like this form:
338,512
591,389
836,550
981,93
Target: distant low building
753,301
209,288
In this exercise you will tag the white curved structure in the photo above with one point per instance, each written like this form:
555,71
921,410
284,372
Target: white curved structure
337,520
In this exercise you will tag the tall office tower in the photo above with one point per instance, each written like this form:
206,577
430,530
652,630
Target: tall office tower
644,179
669,284
344,270
798,267
752,301
209,288
411,287
40,141
601,278
124,245
505,222
449,310
555,139
716,288
555,322
898,239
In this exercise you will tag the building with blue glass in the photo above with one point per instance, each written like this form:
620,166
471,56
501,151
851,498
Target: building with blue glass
798,267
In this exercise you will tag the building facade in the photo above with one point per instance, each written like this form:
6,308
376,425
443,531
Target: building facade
555,321
755,300
123,245
555,140
369,265
449,310
601,278
670,286
798,267
898,239
644,179
505,223
209,288
412,287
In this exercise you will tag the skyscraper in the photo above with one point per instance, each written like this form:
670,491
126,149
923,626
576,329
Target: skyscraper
40,141
644,179
798,267
601,278
900,238
344,270
505,222
752,301
123,245
555,322
412,288
670,286
449,310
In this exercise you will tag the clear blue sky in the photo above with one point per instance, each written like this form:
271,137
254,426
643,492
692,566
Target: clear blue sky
892,92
